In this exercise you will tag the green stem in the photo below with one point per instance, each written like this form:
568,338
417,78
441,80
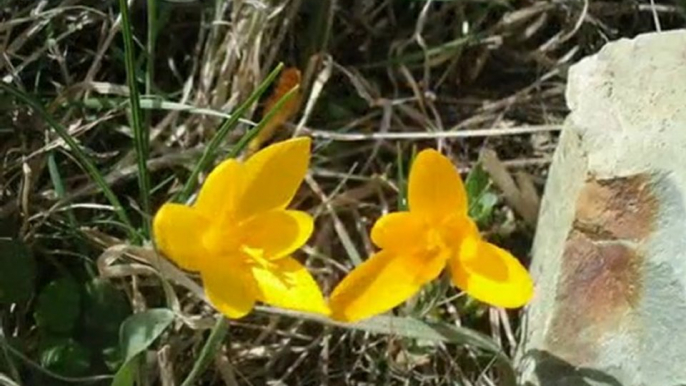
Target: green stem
224,129
150,59
140,133
212,345
245,139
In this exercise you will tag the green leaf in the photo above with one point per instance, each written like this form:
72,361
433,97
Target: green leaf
407,327
7,381
139,330
137,333
112,358
66,357
17,272
105,309
59,305
476,183
141,136
482,199
126,374
417,329
483,211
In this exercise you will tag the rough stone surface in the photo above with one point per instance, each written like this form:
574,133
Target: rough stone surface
609,257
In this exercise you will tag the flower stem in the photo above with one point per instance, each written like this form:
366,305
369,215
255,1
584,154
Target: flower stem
214,341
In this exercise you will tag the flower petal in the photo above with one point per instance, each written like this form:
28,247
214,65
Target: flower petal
277,233
218,195
272,176
382,282
286,283
435,189
229,285
398,231
491,274
178,231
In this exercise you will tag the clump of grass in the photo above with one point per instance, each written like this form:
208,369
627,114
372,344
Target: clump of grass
104,117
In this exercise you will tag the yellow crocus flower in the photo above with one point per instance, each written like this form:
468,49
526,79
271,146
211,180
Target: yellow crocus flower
418,244
239,234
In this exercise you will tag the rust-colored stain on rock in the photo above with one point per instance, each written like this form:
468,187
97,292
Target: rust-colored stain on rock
601,269
621,208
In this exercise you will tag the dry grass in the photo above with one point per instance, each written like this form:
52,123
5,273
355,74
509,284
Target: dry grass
381,78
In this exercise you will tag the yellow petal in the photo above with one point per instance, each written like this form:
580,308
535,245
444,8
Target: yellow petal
178,231
491,274
218,195
277,233
435,189
399,231
287,284
229,285
272,176
382,282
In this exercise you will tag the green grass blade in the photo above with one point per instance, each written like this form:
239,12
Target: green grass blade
429,54
80,156
58,183
209,350
150,47
228,125
140,133
245,139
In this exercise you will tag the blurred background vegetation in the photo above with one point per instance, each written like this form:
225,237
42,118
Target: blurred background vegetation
483,80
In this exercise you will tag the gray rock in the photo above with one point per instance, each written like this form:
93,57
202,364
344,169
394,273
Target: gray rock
609,257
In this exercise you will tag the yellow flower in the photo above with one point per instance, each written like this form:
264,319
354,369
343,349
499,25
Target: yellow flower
239,234
417,245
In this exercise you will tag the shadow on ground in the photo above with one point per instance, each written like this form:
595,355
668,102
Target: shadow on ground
555,371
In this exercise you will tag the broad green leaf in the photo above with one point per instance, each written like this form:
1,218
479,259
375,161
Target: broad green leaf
137,333
476,182
17,271
139,330
65,356
483,211
105,309
59,305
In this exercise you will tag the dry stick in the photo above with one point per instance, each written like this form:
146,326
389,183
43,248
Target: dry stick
519,193
432,135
